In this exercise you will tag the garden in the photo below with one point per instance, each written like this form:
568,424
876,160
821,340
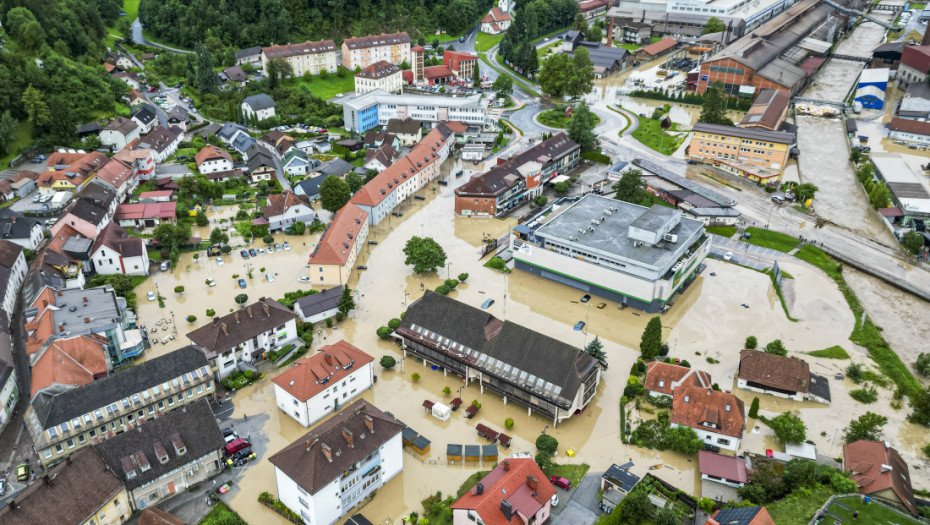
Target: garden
237,379
222,515
556,118
651,134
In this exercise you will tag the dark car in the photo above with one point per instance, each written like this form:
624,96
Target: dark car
372,242
252,252
244,254
419,197
561,482
241,283
397,214
586,298
461,39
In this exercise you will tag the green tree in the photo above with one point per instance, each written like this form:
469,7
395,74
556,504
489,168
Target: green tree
683,439
207,81
667,516
579,24
554,75
754,408
638,507
920,407
593,34
581,127
751,342
354,181
8,127
241,298
868,427
651,343
24,29
913,241
581,78
714,109
191,318
346,302
776,347
630,187
172,236
299,228
424,254
36,108
805,191
879,195
370,174
789,428
546,443
543,460
766,485
179,290
561,187
503,85
334,193
476,76
201,219
923,364
217,237
595,349
714,25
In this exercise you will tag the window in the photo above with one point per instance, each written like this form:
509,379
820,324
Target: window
81,439
59,449
47,453
722,441
170,401
52,433
180,398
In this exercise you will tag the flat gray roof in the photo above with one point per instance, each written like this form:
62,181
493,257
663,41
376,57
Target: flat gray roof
654,218
379,96
99,311
612,234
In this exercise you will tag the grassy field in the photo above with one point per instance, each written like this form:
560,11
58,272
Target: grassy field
132,12
544,51
651,134
222,515
484,41
556,119
797,509
572,473
770,239
20,143
484,58
325,88
869,514
834,352
723,231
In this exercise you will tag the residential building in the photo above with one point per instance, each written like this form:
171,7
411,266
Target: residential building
168,455
233,74
131,79
162,141
768,111
250,55
663,378
117,252
212,159
915,64
245,335
725,470
100,195
82,491
296,162
258,107
381,158
619,479
9,390
364,51
506,186
759,155
156,196
62,422
229,132
319,385
24,182
741,516
619,251
523,366
144,215
629,31
313,146
695,201
462,65
717,417
69,363
514,488
334,257
907,190
24,231
85,217
407,130
880,473
13,269
336,167
117,176
320,306
909,130
119,132
656,49
144,115
309,188
379,75
780,376
332,468
142,162
285,208
495,22
309,57
68,171
915,104
178,117
261,164
377,108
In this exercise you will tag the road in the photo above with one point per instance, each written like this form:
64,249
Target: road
139,38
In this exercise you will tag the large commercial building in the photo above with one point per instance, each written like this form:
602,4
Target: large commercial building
757,154
527,367
908,192
363,51
377,107
306,57
619,251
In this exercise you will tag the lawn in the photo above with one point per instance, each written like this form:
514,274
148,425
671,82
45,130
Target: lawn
834,352
651,134
797,509
572,473
723,231
222,515
132,12
484,41
869,514
20,143
770,239
544,51
557,119
325,88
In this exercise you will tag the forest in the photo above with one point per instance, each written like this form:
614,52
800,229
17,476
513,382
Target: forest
186,22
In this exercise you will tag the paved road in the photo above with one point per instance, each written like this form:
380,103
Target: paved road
139,38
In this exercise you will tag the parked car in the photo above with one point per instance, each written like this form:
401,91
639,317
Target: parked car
219,261
778,199
419,197
211,282
22,472
578,326
561,482
261,251
585,298
487,304
277,247
151,296
252,252
241,283
554,500
269,277
2,486
727,256
236,446
244,254
287,247
165,265
303,279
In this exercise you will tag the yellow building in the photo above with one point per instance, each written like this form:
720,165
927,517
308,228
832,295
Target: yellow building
309,56
754,153
366,50
332,261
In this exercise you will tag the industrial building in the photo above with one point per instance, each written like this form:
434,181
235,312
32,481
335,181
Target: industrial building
908,192
377,107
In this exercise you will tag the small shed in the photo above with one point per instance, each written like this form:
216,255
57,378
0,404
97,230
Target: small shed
472,453
408,435
421,445
453,453
488,453
877,77
441,412
619,478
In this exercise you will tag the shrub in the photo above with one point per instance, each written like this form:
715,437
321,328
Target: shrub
226,248
329,322
923,364
865,395
340,316
451,283
541,200
268,239
776,347
854,372
685,363
443,289
496,263
191,318
508,422
475,403
544,460
463,277
388,361
752,342
211,312
754,408
547,443
447,391
394,323
249,374
383,332
179,289
415,377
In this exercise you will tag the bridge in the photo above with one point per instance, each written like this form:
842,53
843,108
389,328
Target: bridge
818,102
845,9
852,58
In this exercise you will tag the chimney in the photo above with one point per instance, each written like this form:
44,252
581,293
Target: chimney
225,330
328,451
479,488
87,319
68,460
507,509
506,465
370,424
216,320
610,33
309,444
350,437
236,315
85,299
531,482
267,310
59,293
61,328
249,310
328,358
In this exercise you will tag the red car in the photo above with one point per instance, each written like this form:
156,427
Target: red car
152,89
561,482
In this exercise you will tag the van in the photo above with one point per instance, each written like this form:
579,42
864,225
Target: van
236,446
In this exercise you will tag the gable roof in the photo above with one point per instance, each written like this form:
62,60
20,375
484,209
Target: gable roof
115,173
724,467
339,236
143,113
305,460
385,154
69,362
307,47
259,102
249,51
279,203
235,73
160,138
259,157
621,477
917,57
18,227
311,375
774,371
191,428
114,237
157,516
876,467
146,210
767,109
385,39
495,15
407,126
509,481
418,159
657,47
779,137
319,302
121,125
88,211
211,152
379,69
178,114
230,130
909,126
337,167
665,377
694,407
223,333
741,516
311,186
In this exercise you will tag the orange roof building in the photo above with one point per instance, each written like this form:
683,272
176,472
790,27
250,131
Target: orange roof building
880,473
717,417
664,378
516,488
307,392
331,262
70,363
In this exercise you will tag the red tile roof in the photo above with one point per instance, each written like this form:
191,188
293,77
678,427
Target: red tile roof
917,57
774,371
509,481
495,15
299,49
724,467
278,203
117,239
362,42
700,407
660,46
876,467
418,159
591,5
115,173
434,72
146,210
379,69
345,226
58,240
304,379
665,377
75,362
211,152
909,126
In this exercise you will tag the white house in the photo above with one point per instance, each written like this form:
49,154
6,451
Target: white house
319,385
116,252
13,270
9,392
495,22
286,208
296,162
318,307
261,106
717,417
163,142
212,160
145,117
24,231
244,335
119,132
328,471
780,376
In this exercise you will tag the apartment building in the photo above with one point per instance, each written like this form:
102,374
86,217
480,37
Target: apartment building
334,257
308,56
380,75
366,50
757,154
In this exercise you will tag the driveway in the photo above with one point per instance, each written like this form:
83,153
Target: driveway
579,506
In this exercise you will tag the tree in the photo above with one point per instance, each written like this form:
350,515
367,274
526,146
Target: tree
8,127
424,254
789,428
546,443
595,349
913,241
172,236
579,24
920,407
581,127
754,408
581,77
593,34
651,342
714,25
36,108
923,364
298,228
638,507
776,347
561,187
207,81
476,76
179,290
217,237
370,174
765,485
503,85
868,427
879,195
334,193
354,181
667,516
805,191
388,361
751,342
544,460
630,187
191,318
714,110
346,302
553,77
683,439
241,298
201,219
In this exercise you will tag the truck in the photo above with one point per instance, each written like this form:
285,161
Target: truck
441,412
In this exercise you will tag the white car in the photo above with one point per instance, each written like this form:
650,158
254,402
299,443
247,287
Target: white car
151,296
261,251
555,499
303,279
727,256
211,282
269,277
287,247
219,261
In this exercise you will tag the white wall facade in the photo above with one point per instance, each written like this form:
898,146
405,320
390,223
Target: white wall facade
13,284
316,318
713,438
297,166
108,262
226,360
741,383
9,395
215,165
115,139
391,83
734,484
261,114
297,212
910,137
183,477
327,401
31,242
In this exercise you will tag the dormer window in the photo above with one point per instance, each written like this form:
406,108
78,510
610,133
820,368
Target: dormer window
687,398
727,408
160,453
661,383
